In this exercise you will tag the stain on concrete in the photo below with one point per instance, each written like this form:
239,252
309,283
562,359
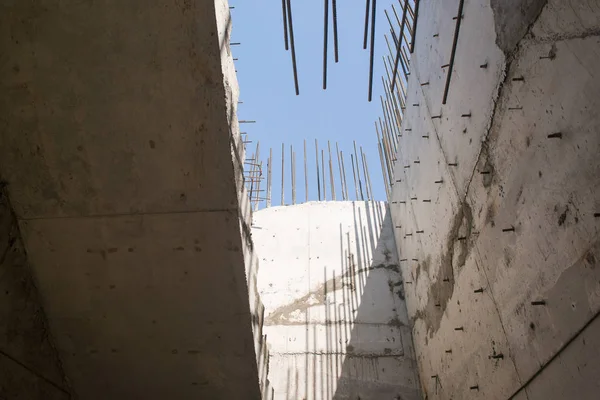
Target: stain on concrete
453,259
563,216
513,19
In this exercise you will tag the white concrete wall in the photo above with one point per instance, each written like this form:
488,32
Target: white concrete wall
335,316
477,333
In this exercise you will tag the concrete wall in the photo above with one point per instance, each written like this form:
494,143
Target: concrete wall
120,150
504,288
29,364
335,315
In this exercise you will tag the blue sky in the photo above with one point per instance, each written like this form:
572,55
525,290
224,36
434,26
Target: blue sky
339,114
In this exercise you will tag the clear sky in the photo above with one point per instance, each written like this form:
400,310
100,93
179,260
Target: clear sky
339,114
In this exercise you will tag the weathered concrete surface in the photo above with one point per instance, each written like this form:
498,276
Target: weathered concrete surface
512,19
476,330
334,311
29,365
119,146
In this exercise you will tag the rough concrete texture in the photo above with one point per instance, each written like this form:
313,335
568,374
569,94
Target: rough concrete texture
334,306
29,365
505,288
119,146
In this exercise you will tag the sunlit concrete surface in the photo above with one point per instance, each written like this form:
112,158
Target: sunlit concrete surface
503,260
335,316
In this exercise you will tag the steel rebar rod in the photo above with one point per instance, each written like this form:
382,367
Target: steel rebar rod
323,172
453,52
362,197
383,173
373,13
318,177
285,27
362,158
269,177
325,33
414,33
354,175
337,150
399,45
282,172
368,177
305,174
331,172
291,25
344,174
335,30
293,166
368,6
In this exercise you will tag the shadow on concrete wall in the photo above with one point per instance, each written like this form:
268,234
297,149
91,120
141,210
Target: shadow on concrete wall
336,320
379,359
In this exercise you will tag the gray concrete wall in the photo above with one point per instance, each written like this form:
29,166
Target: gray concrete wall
335,316
120,149
29,364
497,311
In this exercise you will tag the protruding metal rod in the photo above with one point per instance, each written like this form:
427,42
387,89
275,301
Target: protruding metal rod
453,51
331,172
385,156
344,175
282,171
335,30
354,175
285,27
373,13
293,173
362,197
362,158
291,24
258,173
305,174
383,173
323,174
318,175
269,177
368,6
342,184
398,49
414,32
325,33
